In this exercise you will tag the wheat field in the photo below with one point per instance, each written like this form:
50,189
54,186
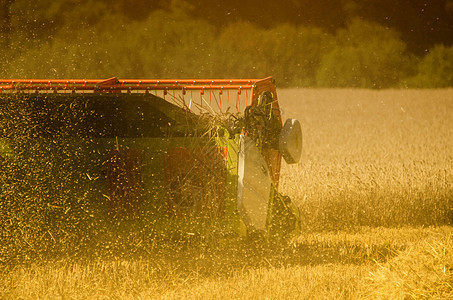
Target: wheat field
375,189
374,158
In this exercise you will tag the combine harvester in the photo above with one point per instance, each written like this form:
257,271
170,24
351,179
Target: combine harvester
176,154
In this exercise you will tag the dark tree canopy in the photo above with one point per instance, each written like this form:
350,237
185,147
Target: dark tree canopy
422,23
366,43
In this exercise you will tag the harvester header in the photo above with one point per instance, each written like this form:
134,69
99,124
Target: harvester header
174,153
236,91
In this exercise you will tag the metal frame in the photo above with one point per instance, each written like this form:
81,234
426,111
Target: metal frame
246,95
178,87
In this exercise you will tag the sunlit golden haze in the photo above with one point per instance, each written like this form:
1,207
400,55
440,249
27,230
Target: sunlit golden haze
375,190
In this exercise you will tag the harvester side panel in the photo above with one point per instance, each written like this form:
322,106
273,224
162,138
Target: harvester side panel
167,150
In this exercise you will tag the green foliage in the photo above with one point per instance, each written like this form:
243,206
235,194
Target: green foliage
93,39
289,54
365,55
237,51
167,44
293,54
435,70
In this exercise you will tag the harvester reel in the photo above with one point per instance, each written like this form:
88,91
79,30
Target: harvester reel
182,161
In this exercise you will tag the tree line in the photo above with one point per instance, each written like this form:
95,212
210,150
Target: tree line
95,40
